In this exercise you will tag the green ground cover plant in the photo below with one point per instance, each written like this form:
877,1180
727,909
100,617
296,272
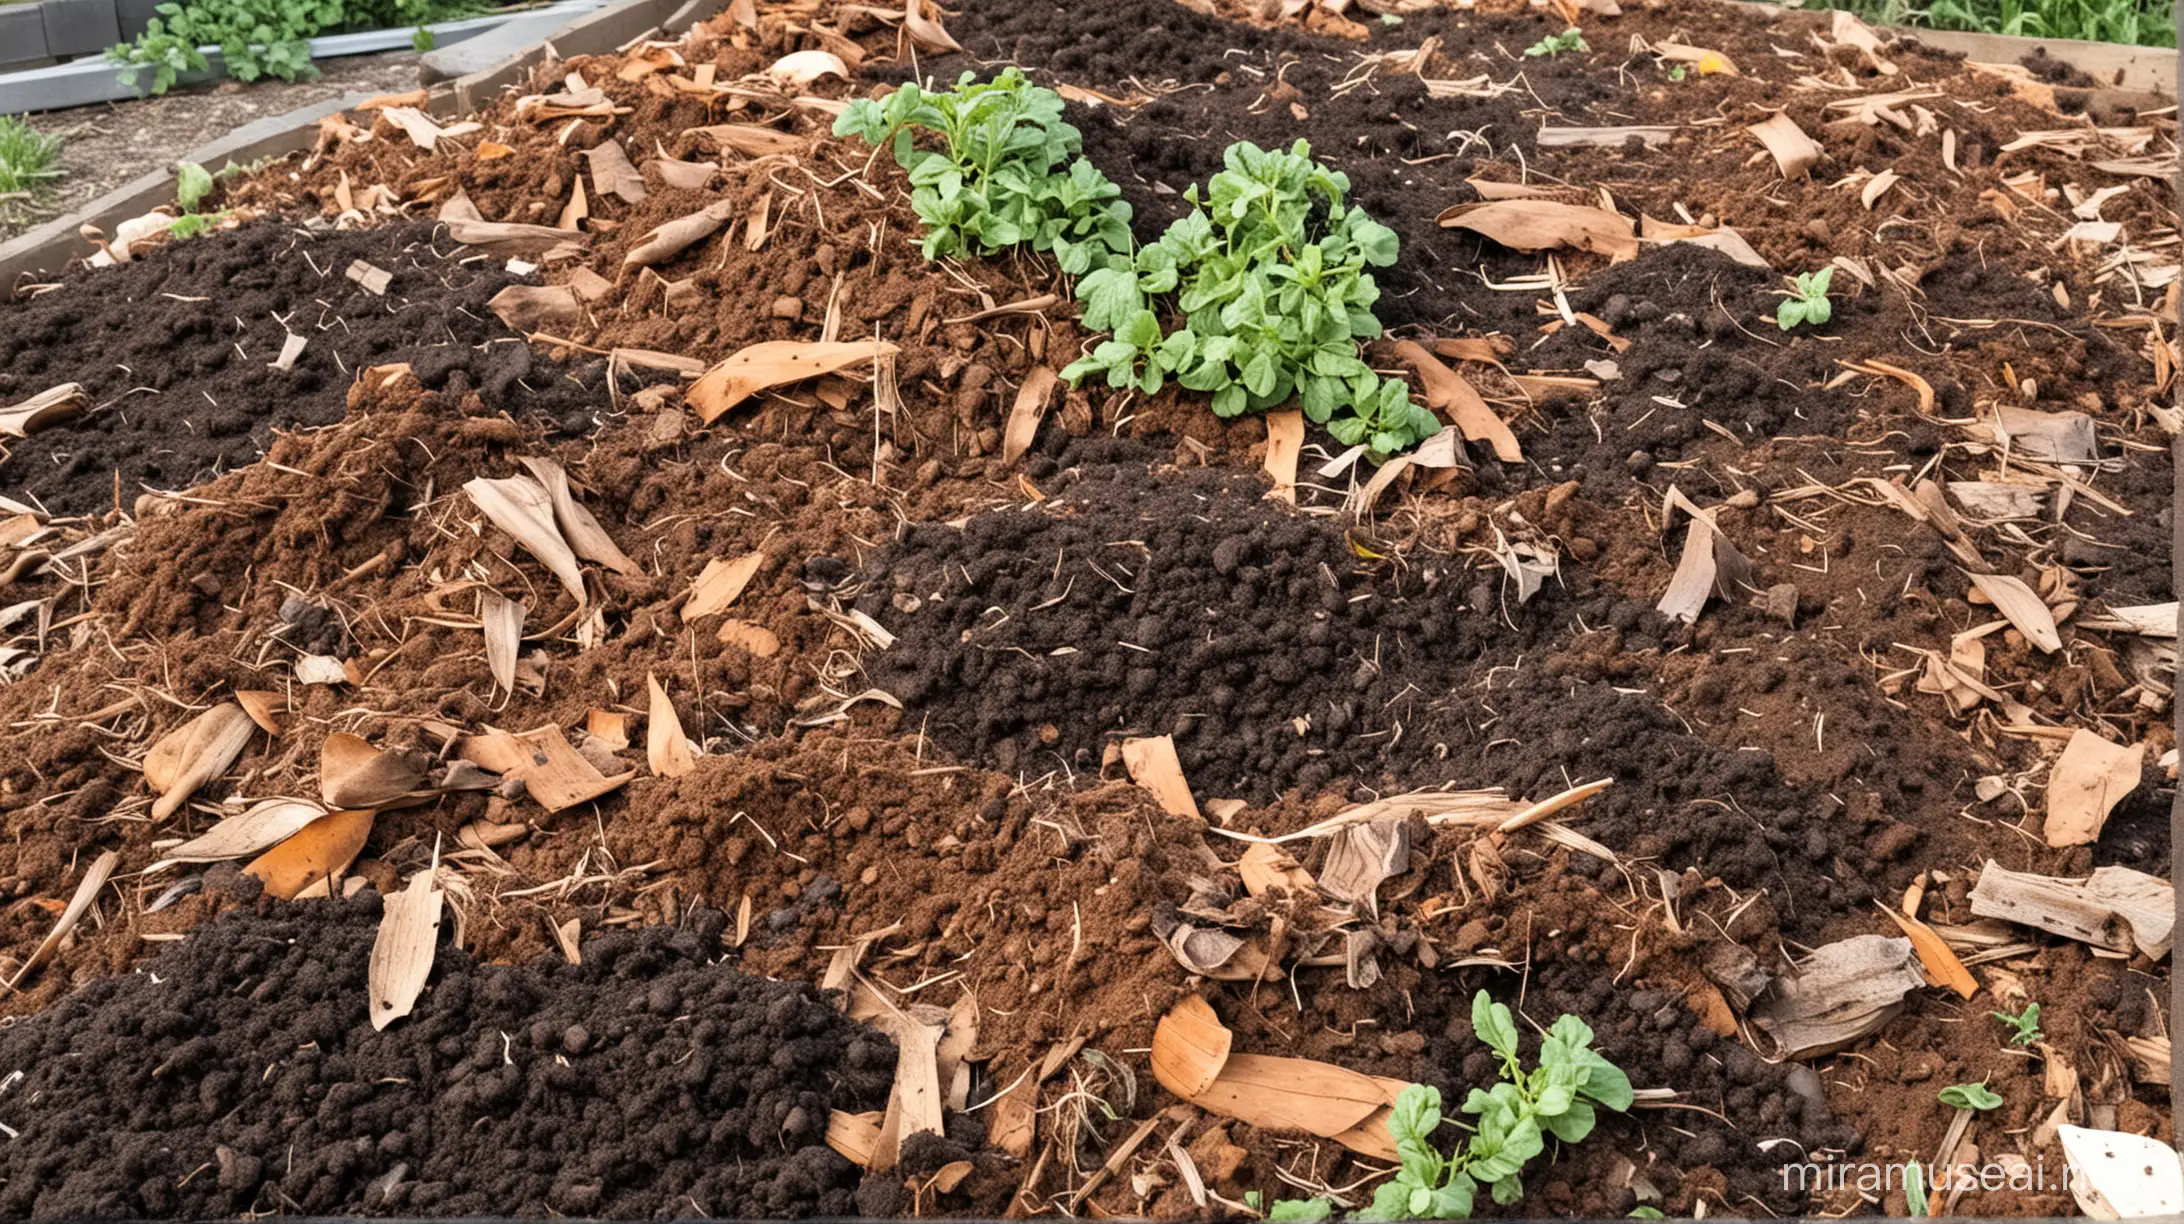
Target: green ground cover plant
2146,23
260,38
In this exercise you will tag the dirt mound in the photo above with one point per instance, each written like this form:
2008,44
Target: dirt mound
176,351
647,1081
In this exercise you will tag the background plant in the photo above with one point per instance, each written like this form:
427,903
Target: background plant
1514,1118
2026,1023
1571,39
2149,23
29,162
1270,294
1007,171
259,38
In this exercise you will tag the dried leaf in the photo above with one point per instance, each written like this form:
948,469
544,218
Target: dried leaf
1190,1046
800,68
1284,446
2024,609
524,509
195,753
1540,225
586,537
1153,764
533,308
914,1105
265,823
353,774
1708,62
565,937
608,727
667,749
719,584
317,852
2115,908
502,620
320,669
402,952
750,139
49,407
2057,437
1943,967
1450,392
855,1136
1265,868
416,124
923,30
509,237
671,238
1708,566
774,363
685,176
1842,992
613,174
553,772
1014,1124
750,637
79,904
2087,782
1024,416
1794,152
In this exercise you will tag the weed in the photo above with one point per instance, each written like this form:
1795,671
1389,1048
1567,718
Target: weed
1970,1096
2149,23
1269,277
2026,1022
192,183
1555,44
1807,301
1515,1117
29,159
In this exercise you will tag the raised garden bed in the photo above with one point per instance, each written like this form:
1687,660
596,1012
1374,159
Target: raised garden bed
978,711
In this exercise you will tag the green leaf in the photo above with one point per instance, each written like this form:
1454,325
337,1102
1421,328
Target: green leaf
1645,1213
1606,1083
1260,373
1574,1123
192,183
1494,1025
1109,295
1970,1096
1141,330
1311,1209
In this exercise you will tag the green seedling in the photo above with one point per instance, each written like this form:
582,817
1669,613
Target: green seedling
1808,299
1914,1189
192,183
1006,172
29,159
1645,1213
1270,294
1970,1096
1555,44
2026,1022
1513,1119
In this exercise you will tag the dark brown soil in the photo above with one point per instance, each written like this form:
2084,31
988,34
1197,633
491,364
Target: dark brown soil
176,351
237,1073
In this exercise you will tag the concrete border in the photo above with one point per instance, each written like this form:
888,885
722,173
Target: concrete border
51,246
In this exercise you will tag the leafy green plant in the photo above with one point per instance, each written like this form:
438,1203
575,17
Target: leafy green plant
1270,295
1515,1116
2026,1022
1914,1188
29,159
1007,171
2149,23
192,183
1571,39
259,38
1808,299
1645,1213
1970,1096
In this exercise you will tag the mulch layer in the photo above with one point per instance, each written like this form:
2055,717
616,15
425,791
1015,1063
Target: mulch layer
909,723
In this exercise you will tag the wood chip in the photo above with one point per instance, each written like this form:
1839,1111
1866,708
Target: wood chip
195,753
720,583
1267,868
750,637
775,363
372,278
1191,1058
536,308
854,1136
524,509
553,772
316,853
914,1105
1284,446
291,348
79,904
1842,992
509,237
667,749
1152,763
2114,908
402,952
1026,413
2087,782
1795,153
750,139
609,727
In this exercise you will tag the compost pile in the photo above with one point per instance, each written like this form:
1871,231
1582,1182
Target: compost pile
669,704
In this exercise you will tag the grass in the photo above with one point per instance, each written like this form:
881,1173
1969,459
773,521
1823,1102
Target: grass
29,161
2146,23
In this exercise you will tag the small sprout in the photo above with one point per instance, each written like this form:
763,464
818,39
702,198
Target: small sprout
1312,1209
1645,1213
1677,73
1808,299
2027,1024
1970,1096
192,183
1914,1188
1569,40
1252,1199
